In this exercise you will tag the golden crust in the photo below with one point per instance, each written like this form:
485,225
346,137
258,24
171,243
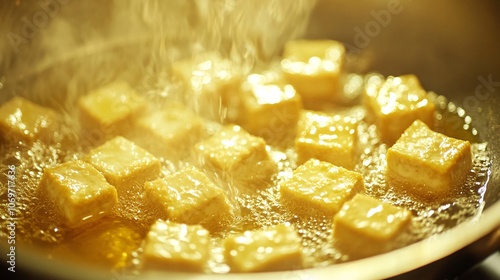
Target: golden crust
427,164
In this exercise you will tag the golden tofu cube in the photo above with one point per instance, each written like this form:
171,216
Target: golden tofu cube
109,111
234,152
269,108
365,226
313,67
327,137
124,164
188,196
169,133
320,188
393,104
210,80
22,120
112,241
428,164
272,249
80,191
178,247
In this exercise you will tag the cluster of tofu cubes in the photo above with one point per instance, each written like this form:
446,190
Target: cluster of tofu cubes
271,106
176,246
362,225
88,189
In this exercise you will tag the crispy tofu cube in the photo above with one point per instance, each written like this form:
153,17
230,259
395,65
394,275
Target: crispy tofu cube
211,81
365,226
272,249
234,152
269,107
320,188
80,191
327,137
110,111
22,120
169,133
124,164
393,104
179,247
188,196
427,164
112,241
313,67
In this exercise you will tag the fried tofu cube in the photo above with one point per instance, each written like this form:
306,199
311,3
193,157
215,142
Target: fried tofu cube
234,152
80,191
269,107
211,81
320,188
176,247
110,111
112,241
393,104
365,226
327,137
427,164
188,196
313,67
272,249
22,120
124,164
170,132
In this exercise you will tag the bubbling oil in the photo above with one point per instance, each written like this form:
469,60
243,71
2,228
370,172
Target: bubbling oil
115,241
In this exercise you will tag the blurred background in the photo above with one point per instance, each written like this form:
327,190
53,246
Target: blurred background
447,44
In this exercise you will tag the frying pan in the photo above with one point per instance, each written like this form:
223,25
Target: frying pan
451,46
